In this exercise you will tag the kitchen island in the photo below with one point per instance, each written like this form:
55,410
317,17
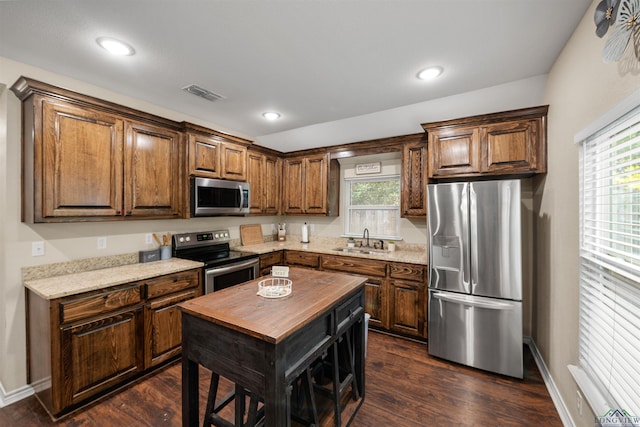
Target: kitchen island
264,344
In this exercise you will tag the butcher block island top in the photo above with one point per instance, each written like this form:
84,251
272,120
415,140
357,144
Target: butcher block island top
265,344
273,319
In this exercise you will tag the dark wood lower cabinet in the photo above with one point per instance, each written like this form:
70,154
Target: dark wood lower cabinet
409,308
84,345
270,259
375,302
100,354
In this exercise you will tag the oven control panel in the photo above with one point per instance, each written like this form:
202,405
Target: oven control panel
204,238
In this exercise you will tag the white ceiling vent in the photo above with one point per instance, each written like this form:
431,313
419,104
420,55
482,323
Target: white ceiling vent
202,92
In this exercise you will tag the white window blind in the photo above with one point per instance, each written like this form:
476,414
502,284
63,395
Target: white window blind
609,313
374,204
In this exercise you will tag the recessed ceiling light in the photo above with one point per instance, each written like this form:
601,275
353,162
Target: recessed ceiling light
271,116
430,73
115,47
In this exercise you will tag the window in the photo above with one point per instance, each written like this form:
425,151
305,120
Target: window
373,203
609,313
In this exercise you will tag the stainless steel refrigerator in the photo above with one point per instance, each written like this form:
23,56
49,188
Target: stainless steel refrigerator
475,274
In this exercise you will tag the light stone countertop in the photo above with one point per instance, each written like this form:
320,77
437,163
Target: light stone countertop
409,253
75,283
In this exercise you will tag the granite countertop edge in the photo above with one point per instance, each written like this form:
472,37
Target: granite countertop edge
406,256
76,283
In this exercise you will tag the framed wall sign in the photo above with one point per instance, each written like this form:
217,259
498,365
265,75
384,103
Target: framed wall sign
366,168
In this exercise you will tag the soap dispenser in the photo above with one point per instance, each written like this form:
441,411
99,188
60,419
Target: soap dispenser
305,233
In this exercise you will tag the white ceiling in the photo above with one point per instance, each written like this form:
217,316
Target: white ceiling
314,61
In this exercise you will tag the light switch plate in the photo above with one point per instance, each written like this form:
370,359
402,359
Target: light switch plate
37,249
102,243
279,271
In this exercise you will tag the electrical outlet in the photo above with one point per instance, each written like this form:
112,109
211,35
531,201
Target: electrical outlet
312,228
148,238
579,401
102,243
37,249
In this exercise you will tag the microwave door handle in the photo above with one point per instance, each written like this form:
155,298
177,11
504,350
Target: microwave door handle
241,196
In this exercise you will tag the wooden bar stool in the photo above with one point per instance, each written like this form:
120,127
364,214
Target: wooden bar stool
255,414
340,362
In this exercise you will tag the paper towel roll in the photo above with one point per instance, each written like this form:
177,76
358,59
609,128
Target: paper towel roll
305,233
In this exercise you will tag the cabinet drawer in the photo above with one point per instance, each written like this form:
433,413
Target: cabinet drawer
364,267
347,312
412,272
171,283
273,258
103,302
305,259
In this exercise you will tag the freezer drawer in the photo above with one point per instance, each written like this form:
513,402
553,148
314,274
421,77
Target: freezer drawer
484,333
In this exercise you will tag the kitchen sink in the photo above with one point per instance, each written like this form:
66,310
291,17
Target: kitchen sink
364,251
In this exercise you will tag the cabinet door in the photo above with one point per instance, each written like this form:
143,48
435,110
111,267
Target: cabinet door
407,308
99,354
454,151
269,260
293,175
256,173
375,302
315,185
233,160
272,201
163,328
511,146
152,171
81,163
302,259
204,156
414,180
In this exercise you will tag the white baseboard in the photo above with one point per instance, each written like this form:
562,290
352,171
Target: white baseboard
7,399
565,416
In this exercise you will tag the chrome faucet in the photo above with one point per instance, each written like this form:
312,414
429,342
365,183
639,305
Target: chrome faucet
365,235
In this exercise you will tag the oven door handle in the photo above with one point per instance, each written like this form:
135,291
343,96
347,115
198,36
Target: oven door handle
231,268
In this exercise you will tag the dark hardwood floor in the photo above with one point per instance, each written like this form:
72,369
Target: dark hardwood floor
405,387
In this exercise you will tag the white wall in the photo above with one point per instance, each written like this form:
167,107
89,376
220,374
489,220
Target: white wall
78,240
580,88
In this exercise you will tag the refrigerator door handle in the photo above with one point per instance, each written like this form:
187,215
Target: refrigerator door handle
466,280
465,300
473,231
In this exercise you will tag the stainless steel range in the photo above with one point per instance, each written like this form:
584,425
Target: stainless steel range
223,267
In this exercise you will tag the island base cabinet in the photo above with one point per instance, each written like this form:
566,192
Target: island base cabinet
100,354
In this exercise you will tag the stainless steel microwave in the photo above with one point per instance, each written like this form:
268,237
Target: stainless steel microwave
210,197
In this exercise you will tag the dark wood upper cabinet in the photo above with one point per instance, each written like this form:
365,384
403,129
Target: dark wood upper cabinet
204,156
76,157
152,171
85,159
213,154
507,143
264,172
311,185
454,152
413,203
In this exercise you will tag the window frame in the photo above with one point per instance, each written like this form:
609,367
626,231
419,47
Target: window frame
348,207
607,284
